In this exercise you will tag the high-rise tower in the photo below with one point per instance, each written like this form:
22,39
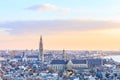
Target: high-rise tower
41,54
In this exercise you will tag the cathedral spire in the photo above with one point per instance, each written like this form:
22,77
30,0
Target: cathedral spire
41,39
64,55
41,55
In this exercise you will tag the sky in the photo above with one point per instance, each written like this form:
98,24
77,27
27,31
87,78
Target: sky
63,24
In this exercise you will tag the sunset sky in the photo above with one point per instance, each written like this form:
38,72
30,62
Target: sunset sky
64,24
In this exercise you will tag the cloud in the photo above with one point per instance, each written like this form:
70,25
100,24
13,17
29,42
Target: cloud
43,7
59,34
48,7
54,26
4,30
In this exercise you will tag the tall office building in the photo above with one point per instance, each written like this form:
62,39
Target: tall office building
41,54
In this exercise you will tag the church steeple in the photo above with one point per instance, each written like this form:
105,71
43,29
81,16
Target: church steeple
41,54
64,55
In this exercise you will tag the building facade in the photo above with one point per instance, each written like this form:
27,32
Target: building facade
71,64
58,64
75,64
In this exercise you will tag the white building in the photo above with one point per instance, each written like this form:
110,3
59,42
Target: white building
71,64
77,63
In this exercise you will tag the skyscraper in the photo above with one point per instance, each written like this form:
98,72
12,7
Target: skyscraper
41,54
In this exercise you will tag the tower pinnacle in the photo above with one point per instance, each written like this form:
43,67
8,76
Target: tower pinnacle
41,54
64,55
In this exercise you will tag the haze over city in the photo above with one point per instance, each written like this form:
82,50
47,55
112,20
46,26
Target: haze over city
66,24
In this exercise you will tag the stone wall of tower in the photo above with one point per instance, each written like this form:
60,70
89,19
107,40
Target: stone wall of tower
64,55
41,54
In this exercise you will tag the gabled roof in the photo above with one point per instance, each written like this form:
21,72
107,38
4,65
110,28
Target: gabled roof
47,54
58,62
96,60
32,56
17,57
75,61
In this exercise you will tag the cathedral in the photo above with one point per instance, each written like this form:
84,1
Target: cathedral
68,64
41,54
34,57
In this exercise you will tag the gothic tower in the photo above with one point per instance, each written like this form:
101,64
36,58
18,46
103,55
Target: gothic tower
41,54
64,55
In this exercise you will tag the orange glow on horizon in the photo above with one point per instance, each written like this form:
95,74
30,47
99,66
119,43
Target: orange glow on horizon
87,40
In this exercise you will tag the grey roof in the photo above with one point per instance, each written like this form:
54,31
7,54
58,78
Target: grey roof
75,61
97,60
32,56
94,61
58,62
17,57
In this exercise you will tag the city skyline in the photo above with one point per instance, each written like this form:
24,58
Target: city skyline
76,25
